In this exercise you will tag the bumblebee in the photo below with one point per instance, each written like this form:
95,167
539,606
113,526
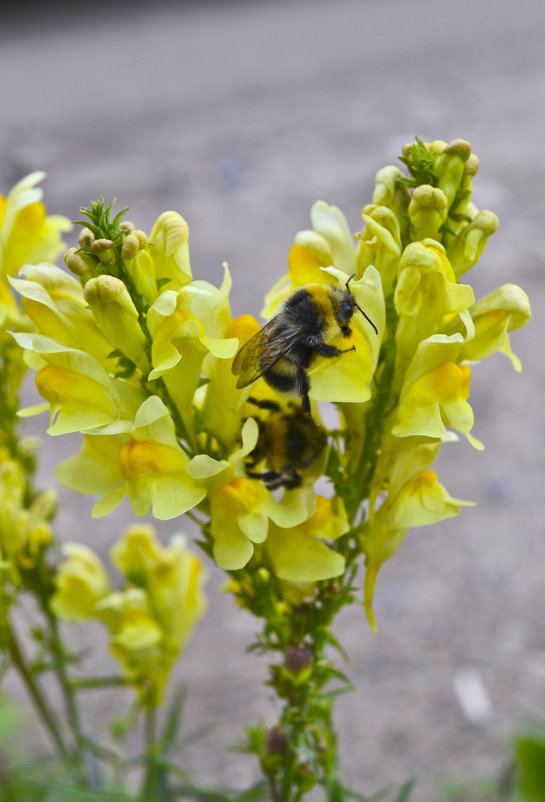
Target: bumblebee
289,442
283,350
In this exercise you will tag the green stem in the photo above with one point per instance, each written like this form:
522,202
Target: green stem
46,714
97,683
150,777
359,484
67,688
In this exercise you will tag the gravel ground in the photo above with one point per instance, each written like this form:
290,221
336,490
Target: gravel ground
240,115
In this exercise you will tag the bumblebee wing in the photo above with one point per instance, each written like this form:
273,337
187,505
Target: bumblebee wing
261,352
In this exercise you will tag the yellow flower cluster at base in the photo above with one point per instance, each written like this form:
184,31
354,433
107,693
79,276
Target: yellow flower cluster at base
150,620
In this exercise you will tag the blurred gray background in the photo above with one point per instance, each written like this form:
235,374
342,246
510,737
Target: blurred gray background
240,115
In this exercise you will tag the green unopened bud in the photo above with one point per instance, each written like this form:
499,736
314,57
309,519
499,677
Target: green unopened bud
428,211
126,226
472,164
390,191
116,316
436,147
142,271
80,264
135,241
130,247
450,166
466,249
464,210
86,238
142,237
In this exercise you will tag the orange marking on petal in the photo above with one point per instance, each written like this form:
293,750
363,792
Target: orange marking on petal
144,459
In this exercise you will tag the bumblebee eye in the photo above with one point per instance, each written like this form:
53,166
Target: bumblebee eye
346,309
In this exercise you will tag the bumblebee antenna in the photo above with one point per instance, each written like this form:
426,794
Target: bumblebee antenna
359,307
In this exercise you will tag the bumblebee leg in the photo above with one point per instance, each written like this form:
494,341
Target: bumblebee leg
331,350
265,403
302,385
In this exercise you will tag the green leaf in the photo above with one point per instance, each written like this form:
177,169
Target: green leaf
405,790
174,719
420,163
530,756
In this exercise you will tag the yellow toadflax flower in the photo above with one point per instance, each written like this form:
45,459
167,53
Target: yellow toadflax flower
27,234
415,498
242,508
81,582
435,392
146,464
150,620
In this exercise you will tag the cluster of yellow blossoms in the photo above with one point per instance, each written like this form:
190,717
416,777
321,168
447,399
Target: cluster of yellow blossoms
27,235
136,355
150,620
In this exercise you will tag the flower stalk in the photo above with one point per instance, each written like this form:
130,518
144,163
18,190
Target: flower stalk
184,410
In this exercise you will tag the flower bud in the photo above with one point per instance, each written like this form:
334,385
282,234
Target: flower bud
142,238
142,271
86,238
130,247
472,164
298,659
428,211
393,193
127,226
169,248
470,242
449,167
99,245
275,743
116,316
80,264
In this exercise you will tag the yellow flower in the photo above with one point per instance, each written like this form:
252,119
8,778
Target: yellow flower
504,310
117,318
54,301
24,528
136,641
169,249
426,294
27,234
329,244
81,394
380,244
415,498
186,326
81,581
146,464
298,553
223,401
435,392
241,508
172,578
